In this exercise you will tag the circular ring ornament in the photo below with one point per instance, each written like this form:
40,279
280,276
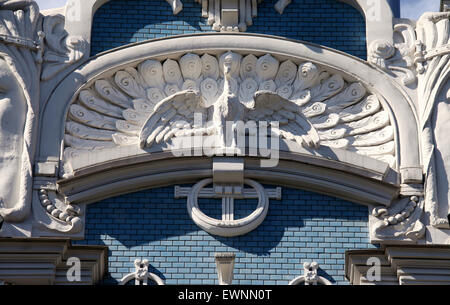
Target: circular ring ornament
228,228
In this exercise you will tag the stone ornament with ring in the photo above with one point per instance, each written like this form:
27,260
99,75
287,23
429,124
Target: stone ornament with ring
228,226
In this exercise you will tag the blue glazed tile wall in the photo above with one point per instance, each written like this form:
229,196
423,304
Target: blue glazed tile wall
326,22
151,224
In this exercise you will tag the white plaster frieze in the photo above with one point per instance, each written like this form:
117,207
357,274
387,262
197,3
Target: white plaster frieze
157,102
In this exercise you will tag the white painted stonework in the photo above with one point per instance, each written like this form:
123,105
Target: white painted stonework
310,276
77,129
141,275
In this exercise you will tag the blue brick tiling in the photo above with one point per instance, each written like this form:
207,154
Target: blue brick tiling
327,22
151,224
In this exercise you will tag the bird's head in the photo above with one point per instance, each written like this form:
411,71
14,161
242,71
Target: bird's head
227,66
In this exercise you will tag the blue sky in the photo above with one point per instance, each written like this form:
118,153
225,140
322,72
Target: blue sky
410,8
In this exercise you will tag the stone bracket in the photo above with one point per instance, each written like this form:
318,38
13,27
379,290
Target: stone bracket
228,171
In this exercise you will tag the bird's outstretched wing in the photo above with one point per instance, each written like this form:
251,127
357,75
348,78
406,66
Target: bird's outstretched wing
293,125
174,115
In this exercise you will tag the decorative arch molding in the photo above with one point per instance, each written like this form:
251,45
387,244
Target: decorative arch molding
395,102
332,171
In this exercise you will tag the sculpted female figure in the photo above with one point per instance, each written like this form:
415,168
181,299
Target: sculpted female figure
19,98
434,109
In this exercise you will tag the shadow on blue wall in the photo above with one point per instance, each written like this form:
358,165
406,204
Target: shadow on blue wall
152,224
326,22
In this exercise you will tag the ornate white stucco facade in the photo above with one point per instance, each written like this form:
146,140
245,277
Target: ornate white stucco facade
77,129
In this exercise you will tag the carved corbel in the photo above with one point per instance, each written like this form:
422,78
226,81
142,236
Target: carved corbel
52,212
310,276
402,221
141,274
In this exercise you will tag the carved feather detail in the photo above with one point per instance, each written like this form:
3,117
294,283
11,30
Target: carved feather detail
155,101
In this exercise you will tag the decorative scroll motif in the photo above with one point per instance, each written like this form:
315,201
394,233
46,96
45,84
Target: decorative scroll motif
310,276
61,50
67,216
141,274
402,221
397,59
233,15
156,102
227,226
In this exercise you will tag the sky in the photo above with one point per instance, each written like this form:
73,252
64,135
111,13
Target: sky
409,8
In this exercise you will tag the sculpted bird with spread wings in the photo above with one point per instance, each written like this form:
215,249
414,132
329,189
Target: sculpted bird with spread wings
174,116
159,101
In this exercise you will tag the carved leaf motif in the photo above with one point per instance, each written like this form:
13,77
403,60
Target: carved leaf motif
111,94
191,66
91,118
155,95
78,143
248,67
325,121
351,95
129,85
286,74
267,68
368,124
141,105
172,73
171,89
248,88
209,90
268,85
84,132
134,117
190,85
314,110
285,91
152,73
307,75
210,67
327,88
127,127
123,140
90,101
366,107
374,138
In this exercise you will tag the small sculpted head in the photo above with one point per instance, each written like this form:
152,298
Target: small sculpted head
227,65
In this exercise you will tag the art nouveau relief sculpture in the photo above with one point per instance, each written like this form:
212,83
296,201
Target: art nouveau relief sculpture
310,276
141,275
20,58
432,60
397,59
155,102
61,50
32,48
